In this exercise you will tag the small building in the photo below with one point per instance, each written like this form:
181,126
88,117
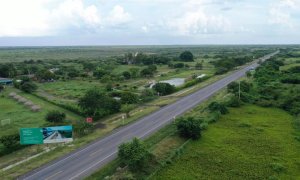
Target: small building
5,81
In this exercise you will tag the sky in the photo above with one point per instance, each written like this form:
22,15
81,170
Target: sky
148,22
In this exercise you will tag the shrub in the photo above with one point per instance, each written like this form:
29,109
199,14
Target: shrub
28,87
164,88
214,117
129,98
217,107
234,102
134,154
189,127
10,141
83,128
55,117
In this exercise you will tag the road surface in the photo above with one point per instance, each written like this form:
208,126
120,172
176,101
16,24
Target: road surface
84,161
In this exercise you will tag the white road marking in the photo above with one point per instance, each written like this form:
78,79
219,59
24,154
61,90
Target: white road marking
94,153
93,165
53,175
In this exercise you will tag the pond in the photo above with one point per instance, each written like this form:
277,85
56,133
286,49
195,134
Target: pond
175,81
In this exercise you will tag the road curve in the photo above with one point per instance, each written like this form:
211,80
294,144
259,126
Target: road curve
84,161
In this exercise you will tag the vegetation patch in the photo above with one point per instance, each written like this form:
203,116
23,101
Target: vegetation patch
227,151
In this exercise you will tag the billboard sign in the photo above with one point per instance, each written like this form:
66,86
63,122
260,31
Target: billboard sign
46,135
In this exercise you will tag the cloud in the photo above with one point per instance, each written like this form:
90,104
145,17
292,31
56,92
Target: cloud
280,12
74,13
145,29
195,20
118,16
21,17
55,17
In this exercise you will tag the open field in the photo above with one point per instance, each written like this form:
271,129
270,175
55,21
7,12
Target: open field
249,143
12,54
21,116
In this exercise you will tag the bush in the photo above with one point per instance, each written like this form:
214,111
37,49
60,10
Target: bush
189,127
28,87
147,95
55,117
126,75
234,102
164,88
129,98
10,141
134,154
217,107
214,117
83,128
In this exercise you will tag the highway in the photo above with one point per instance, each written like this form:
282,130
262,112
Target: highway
86,160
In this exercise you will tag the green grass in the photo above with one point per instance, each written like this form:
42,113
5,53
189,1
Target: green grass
249,143
22,116
70,89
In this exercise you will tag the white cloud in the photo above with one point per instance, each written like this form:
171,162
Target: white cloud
74,13
23,17
118,16
145,29
196,20
280,12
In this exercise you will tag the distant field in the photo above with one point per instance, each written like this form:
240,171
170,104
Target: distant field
249,143
13,54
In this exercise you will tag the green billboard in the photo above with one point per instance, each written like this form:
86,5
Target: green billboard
31,136
46,135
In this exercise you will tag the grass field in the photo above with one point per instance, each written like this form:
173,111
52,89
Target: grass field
21,116
249,143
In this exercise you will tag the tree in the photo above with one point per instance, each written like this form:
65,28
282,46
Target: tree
99,73
97,104
164,88
198,66
45,75
129,98
28,87
134,72
186,56
126,75
189,127
178,65
152,68
8,70
72,73
55,116
126,108
217,107
134,154
147,72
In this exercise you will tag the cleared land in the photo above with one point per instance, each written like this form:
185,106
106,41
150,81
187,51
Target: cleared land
250,142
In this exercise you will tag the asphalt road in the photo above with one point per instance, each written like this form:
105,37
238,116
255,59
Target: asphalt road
84,161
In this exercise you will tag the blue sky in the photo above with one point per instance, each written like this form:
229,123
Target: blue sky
131,22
